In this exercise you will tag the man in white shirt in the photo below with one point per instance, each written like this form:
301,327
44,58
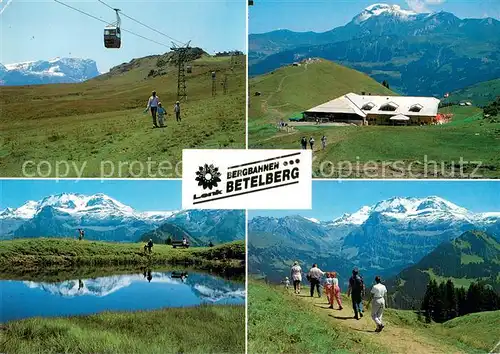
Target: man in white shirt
377,298
314,277
177,110
153,106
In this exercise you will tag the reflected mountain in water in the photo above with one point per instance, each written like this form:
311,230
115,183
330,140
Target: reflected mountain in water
206,287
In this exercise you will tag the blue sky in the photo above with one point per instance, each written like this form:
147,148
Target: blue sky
214,25
331,199
323,15
151,195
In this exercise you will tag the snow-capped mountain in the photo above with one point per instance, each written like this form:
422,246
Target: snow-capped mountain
385,10
58,70
384,237
379,40
102,218
207,288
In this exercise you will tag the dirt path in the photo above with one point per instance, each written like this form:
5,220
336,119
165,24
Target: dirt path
396,339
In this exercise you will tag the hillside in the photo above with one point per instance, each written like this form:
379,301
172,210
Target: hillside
432,151
290,90
96,124
279,321
471,257
22,254
479,94
418,53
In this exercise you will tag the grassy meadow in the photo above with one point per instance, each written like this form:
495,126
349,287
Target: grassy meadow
36,253
103,119
407,152
279,321
201,329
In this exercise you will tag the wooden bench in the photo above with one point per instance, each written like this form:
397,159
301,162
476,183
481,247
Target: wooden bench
178,243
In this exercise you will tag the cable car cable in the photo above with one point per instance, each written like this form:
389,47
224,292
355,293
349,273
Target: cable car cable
143,24
97,18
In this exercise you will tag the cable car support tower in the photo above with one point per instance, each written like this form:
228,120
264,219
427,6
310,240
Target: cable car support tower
181,69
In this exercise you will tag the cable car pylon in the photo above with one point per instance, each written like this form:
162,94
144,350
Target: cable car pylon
181,69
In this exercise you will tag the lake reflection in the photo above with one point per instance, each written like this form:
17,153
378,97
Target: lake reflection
123,292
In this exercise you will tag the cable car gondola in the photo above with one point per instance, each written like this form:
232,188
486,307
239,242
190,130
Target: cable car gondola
112,33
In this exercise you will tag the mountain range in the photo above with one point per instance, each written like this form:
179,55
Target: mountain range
383,238
472,256
207,288
104,218
55,71
418,54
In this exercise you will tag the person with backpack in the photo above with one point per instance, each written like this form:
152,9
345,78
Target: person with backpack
378,295
356,291
311,142
303,142
323,142
314,276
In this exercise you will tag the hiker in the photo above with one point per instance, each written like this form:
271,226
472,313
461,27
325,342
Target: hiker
149,246
296,275
323,142
210,244
377,298
328,286
286,282
314,277
356,291
81,234
303,142
184,241
336,291
153,106
311,142
177,110
161,115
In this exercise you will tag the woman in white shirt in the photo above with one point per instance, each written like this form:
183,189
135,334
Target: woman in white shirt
296,275
377,298
153,106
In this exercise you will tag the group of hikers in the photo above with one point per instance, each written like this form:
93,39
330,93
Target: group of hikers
157,110
356,290
303,142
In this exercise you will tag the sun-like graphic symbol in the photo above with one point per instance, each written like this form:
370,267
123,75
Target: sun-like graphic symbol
208,176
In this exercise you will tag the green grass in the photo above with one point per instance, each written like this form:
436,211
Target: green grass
102,120
279,322
478,330
35,253
202,329
471,258
462,282
479,94
469,136
276,324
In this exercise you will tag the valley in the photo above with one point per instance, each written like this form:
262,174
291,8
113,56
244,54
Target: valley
389,43
407,241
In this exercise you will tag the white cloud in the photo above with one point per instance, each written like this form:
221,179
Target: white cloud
422,5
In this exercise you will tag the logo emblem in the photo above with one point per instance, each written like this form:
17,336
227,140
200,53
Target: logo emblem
208,176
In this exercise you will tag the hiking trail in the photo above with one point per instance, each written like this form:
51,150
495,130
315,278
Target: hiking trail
395,339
